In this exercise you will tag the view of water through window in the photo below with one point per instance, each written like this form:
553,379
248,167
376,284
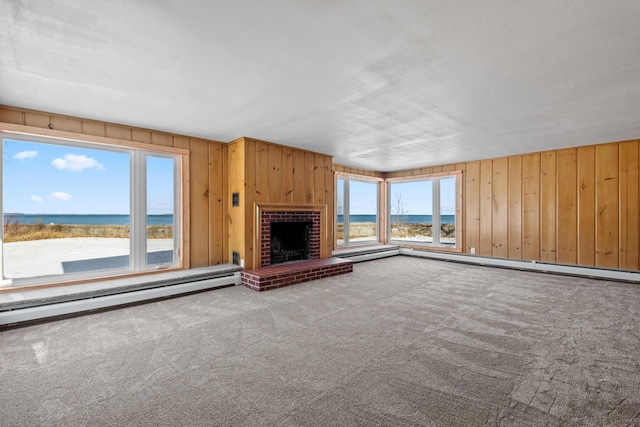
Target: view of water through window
67,208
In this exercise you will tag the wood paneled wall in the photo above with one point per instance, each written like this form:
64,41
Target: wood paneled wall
265,172
575,206
206,201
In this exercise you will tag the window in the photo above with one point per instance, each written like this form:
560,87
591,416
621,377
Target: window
74,210
424,210
357,211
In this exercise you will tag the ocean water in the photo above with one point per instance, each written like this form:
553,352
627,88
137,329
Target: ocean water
13,218
408,219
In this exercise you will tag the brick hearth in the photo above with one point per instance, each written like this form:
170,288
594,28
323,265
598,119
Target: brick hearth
291,273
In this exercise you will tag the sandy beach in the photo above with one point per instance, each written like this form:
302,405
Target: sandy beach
46,257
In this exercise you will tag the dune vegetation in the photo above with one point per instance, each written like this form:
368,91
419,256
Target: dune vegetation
17,232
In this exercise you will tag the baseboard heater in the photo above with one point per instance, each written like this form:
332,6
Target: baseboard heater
24,314
368,256
571,270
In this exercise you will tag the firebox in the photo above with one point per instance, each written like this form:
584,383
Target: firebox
290,241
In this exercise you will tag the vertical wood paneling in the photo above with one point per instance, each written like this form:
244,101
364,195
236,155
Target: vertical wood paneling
261,172
515,207
567,188
472,206
161,139
275,174
586,206
199,197
607,205
217,225
7,115
629,207
461,234
329,198
548,206
236,184
249,182
287,175
486,209
139,135
66,124
178,141
299,176
93,128
531,206
120,132
500,203
318,178
37,119
309,179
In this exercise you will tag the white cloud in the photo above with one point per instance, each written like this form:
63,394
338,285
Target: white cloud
59,195
76,163
25,155
36,199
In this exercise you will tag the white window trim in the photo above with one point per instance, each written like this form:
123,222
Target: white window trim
436,244
138,151
346,206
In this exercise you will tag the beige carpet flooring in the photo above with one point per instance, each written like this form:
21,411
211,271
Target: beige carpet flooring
400,342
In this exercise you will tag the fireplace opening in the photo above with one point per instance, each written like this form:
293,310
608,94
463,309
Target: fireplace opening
290,241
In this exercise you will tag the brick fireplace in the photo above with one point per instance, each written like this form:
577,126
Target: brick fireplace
266,214
313,262
307,224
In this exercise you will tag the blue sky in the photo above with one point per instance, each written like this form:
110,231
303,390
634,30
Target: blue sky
416,197
44,178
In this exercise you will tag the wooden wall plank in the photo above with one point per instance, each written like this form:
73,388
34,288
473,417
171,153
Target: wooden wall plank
287,175
178,141
629,206
261,172
329,198
161,139
94,128
236,184
500,204
515,207
226,202
66,124
548,206
472,207
448,168
567,209
318,178
8,115
607,206
199,197
250,184
139,135
120,132
37,120
531,206
486,208
276,190
217,237
586,206
309,179
299,176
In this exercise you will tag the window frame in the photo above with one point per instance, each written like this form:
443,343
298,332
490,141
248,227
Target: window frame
434,177
137,180
347,177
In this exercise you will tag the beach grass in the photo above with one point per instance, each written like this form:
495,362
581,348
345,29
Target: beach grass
16,232
368,229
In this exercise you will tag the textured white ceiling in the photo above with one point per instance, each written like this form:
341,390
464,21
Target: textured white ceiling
383,85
